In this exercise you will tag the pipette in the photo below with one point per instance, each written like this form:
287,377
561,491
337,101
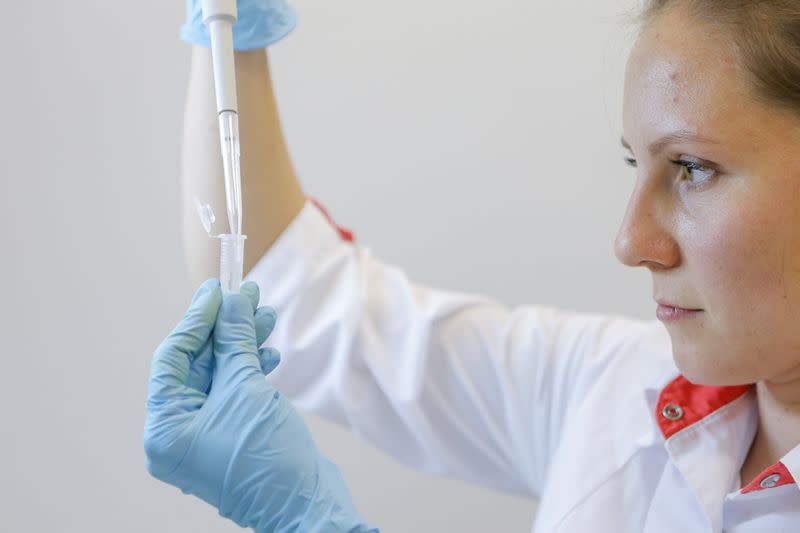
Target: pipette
220,16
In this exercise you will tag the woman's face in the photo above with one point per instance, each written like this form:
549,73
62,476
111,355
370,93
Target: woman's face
715,211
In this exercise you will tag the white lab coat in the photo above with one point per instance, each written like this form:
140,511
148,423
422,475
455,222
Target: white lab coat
556,405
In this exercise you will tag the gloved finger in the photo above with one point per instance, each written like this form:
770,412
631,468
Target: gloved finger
206,286
200,366
195,328
234,342
201,369
169,370
269,359
250,289
265,318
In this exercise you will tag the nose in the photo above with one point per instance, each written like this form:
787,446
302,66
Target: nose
645,237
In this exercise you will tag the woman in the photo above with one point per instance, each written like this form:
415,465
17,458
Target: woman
691,424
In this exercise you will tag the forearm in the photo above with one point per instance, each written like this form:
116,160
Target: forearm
271,193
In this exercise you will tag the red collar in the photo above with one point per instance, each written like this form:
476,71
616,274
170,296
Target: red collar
682,403
344,233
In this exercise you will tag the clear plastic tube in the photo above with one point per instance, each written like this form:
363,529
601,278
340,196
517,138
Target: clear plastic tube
229,138
231,262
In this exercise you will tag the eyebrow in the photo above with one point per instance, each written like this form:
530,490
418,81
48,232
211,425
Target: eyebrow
679,136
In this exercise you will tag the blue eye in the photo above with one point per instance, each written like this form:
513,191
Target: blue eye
698,174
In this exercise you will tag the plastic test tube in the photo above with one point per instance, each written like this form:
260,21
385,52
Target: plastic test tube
231,261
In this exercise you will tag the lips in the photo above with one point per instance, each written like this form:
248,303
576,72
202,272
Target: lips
667,312
667,303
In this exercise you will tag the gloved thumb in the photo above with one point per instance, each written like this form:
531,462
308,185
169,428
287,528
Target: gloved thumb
172,360
235,345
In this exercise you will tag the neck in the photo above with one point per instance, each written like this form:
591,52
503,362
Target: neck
778,426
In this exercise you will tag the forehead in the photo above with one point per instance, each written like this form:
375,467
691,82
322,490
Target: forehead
683,74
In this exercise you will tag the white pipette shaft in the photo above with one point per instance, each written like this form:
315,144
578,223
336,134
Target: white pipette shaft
220,16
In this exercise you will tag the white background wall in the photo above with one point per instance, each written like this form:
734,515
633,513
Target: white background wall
474,143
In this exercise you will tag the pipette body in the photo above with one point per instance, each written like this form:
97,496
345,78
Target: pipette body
220,16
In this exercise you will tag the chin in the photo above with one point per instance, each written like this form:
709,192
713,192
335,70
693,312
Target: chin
703,367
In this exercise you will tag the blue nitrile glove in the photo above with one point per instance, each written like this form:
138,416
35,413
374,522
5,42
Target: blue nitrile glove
217,429
260,23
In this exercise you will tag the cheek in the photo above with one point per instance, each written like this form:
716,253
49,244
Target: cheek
732,259
737,283
745,268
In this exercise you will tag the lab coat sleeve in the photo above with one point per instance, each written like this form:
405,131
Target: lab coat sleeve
450,383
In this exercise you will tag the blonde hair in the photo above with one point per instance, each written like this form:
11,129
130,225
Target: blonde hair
766,35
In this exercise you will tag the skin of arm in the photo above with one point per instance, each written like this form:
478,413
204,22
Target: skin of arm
271,193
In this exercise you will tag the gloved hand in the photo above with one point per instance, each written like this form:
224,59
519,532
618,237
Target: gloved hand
260,23
217,429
